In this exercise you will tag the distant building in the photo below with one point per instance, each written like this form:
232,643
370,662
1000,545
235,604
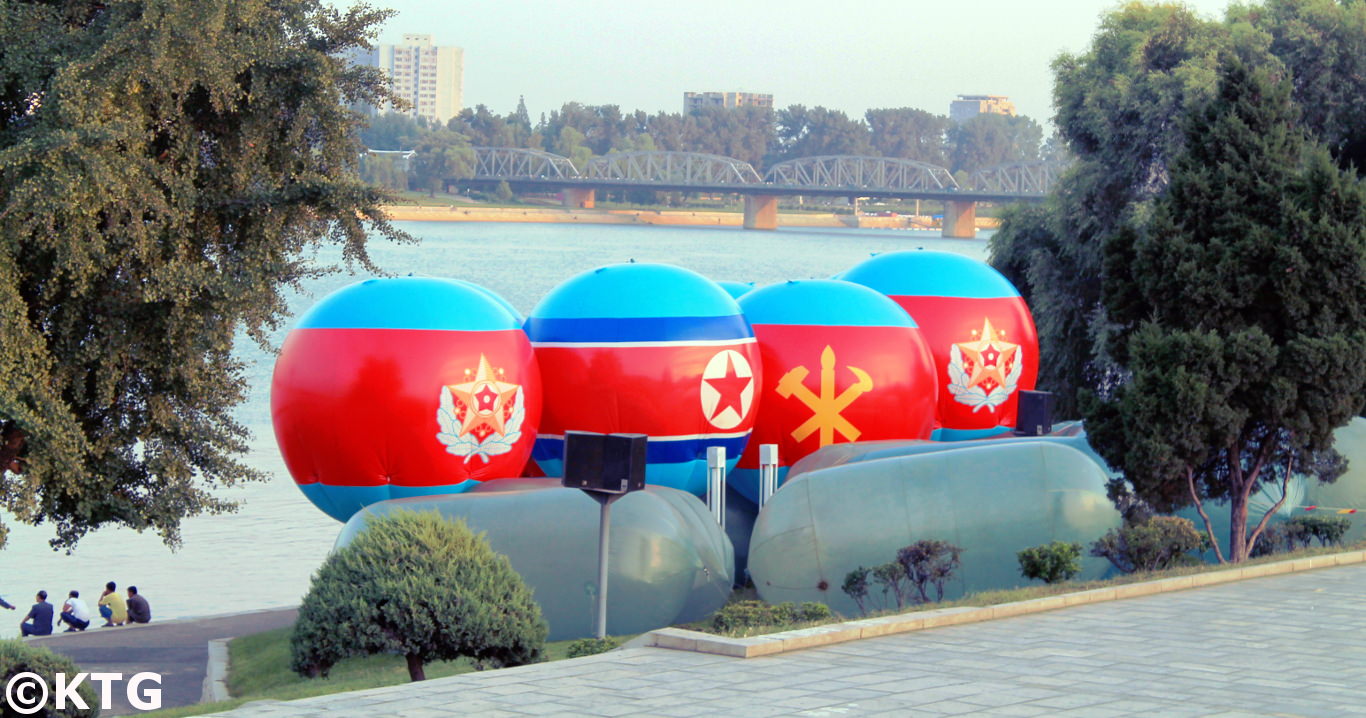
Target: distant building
967,107
429,77
698,100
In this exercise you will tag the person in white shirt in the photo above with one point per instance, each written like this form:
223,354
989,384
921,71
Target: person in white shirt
75,613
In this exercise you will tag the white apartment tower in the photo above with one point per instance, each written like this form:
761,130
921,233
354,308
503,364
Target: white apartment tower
429,77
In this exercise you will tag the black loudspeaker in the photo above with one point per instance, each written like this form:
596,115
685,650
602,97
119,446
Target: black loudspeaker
610,463
1035,416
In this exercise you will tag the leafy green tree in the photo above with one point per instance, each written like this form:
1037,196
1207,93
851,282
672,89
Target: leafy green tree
856,587
1117,106
569,143
390,131
1052,562
803,132
1239,312
989,139
908,133
421,586
441,156
503,192
166,169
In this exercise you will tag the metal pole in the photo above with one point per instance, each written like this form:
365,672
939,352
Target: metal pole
604,529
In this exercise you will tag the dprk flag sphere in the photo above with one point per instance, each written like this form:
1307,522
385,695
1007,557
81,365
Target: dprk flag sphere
401,387
648,349
977,325
841,363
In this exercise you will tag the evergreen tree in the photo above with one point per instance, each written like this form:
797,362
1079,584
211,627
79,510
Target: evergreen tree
1237,310
420,586
166,168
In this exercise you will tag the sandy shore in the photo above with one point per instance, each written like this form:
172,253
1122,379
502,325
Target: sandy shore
649,216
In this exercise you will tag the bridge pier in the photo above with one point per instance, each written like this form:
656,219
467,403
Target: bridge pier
761,211
960,219
578,197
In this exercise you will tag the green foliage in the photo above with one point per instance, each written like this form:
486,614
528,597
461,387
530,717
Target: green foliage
166,171
1052,562
856,587
17,657
990,139
1159,543
1268,238
927,563
1329,530
421,586
503,192
753,614
591,646
890,576
440,156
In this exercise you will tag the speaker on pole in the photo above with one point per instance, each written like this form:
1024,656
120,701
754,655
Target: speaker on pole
1035,415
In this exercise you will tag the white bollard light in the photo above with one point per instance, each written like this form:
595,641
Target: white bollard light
716,483
768,472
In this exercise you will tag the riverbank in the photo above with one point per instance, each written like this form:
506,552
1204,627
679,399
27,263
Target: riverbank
701,218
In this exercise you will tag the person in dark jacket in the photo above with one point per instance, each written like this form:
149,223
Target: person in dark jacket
138,610
41,615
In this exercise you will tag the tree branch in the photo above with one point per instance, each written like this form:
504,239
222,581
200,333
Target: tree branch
1200,507
1285,485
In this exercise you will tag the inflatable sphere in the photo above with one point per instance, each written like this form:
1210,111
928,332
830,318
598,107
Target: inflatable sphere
648,349
1348,493
668,560
495,296
403,387
841,363
978,328
991,500
736,289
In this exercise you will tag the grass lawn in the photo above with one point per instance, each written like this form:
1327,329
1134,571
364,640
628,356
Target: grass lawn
259,670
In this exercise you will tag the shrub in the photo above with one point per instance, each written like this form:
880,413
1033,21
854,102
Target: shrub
1329,530
856,586
1051,562
18,657
420,586
591,646
889,576
929,563
1159,543
752,614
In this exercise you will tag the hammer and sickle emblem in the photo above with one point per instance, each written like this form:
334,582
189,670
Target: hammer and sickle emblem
825,408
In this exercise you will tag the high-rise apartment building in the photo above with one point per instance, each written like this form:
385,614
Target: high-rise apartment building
967,107
697,100
429,77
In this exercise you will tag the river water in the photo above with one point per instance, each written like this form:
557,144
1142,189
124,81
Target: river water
264,555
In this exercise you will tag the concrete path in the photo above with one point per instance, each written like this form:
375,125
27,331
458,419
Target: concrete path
178,650
1288,645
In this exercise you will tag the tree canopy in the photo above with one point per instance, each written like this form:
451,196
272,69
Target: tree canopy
1199,270
421,586
166,166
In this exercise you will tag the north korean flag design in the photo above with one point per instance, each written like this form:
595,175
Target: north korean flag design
978,327
650,349
403,387
841,363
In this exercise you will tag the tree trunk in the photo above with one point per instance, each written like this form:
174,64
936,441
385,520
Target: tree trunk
415,671
1237,529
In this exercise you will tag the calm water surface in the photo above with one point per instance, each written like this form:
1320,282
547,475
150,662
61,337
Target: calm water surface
264,555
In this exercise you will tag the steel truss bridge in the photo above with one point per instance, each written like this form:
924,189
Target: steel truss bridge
832,176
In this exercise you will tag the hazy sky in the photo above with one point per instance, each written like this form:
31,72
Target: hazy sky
846,54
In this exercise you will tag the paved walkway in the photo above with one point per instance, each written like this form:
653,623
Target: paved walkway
178,650
1288,645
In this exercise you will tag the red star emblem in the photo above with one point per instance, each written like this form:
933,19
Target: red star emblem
729,386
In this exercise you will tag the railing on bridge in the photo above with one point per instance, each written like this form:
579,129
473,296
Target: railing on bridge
863,173
671,168
513,163
1031,178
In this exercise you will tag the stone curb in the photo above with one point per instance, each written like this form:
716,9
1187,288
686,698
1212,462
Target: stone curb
684,640
216,672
